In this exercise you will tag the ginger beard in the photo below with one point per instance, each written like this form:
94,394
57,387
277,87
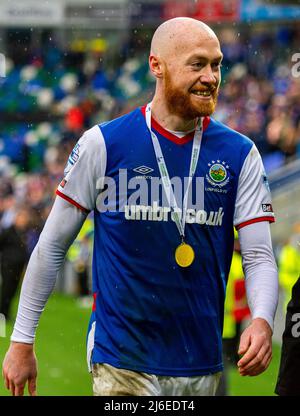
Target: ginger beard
182,103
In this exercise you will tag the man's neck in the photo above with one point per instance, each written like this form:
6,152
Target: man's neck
169,121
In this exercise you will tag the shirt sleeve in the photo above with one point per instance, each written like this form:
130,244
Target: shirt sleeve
253,201
261,275
61,229
84,171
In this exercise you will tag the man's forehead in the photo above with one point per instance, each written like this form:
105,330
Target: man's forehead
208,48
205,53
182,34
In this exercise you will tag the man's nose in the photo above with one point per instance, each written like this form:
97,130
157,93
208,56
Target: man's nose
207,76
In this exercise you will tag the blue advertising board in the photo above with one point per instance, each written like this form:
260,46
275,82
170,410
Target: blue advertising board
257,10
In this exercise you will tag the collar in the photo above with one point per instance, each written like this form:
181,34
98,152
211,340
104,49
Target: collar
170,136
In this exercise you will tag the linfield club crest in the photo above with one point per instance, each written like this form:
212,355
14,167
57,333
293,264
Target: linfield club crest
217,174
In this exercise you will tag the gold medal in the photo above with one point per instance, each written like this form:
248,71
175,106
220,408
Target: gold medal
184,255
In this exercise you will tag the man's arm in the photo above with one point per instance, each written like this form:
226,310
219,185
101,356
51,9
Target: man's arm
262,293
61,228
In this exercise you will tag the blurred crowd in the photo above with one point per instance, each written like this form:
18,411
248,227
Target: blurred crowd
261,95
52,95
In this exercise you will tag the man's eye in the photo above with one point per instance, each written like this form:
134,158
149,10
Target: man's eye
197,65
215,65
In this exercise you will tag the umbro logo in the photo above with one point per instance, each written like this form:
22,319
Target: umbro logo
144,170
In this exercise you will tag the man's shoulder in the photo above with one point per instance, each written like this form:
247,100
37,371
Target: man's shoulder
89,142
122,121
228,133
117,124
100,135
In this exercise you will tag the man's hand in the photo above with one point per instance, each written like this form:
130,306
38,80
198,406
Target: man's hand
256,348
20,366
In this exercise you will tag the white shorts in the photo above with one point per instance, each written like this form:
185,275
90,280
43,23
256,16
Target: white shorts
112,381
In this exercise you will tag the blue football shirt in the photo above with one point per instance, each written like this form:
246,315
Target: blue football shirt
150,314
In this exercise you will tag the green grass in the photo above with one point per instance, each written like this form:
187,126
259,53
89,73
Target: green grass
61,353
60,349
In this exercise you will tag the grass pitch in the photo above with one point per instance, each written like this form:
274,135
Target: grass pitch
60,349
61,353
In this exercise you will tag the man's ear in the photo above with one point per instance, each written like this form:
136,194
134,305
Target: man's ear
156,66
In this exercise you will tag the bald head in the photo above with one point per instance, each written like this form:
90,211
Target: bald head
175,34
185,59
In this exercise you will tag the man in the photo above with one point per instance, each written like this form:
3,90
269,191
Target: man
288,381
161,256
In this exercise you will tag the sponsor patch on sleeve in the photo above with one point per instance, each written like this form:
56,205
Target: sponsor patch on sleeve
267,207
73,158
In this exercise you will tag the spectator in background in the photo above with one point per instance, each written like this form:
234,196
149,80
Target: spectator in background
14,256
281,129
79,255
7,202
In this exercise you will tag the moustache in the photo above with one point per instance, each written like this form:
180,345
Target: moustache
211,89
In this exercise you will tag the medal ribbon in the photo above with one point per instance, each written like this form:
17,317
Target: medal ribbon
180,223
